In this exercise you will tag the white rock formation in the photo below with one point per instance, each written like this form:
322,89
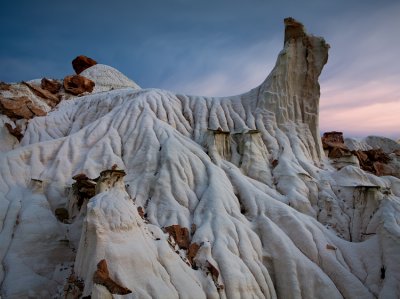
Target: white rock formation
244,177
107,78
372,142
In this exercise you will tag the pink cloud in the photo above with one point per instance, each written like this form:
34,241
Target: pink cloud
370,108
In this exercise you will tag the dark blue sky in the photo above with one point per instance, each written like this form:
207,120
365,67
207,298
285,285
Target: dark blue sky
215,47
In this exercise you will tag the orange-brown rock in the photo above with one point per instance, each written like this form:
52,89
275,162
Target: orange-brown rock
102,277
333,144
213,270
193,249
374,160
333,139
81,63
37,111
337,152
361,156
378,155
20,107
4,86
52,86
77,84
16,132
180,234
50,99
141,212
379,168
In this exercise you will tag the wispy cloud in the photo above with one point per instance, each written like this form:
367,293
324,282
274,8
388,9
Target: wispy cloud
232,71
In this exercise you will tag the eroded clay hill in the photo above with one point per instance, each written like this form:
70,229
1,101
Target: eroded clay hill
122,192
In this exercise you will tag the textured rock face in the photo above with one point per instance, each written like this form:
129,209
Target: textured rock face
78,84
48,96
292,90
253,207
52,86
82,62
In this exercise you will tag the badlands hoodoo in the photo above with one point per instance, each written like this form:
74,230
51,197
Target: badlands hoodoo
123,192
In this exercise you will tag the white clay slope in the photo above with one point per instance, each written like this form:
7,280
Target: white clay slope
244,174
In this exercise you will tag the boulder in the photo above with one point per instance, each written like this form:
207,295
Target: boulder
77,84
81,63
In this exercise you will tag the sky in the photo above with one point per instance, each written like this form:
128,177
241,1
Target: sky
216,48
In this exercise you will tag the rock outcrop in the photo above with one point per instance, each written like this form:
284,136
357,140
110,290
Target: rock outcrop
292,90
107,78
20,107
373,154
269,215
50,99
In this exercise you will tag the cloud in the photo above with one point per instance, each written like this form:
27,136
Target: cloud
360,90
233,70
377,119
213,48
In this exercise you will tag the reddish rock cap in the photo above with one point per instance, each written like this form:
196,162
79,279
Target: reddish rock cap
81,63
